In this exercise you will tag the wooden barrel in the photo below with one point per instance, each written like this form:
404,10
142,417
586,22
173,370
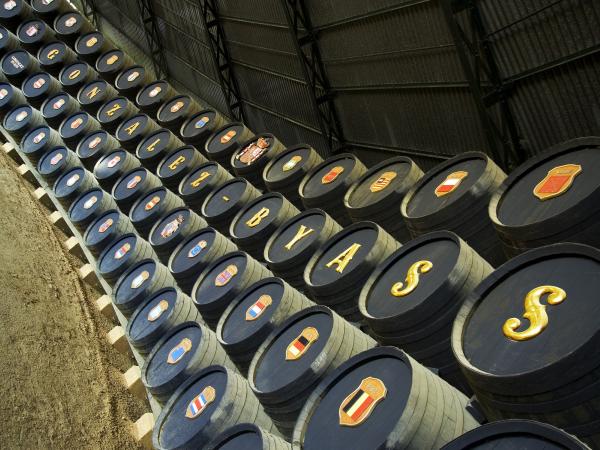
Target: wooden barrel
112,166
17,65
527,339
130,80
181,352
38,87
454,196
338,270
226,141
56,162
247,436
90,46
174,112
204,406
551,198
189,259
113,112
174,167
172,229
291,246
131,186
150,207
325,185
516,434
253,314
222,281
225,201
94,94
71,184
75,127
94,146
75,76
121,254
286,170
10,98
253,156
105,229
90,205
15,13
8,41
301,351
258,220
199,127
49,10
33,34
411,299
139,282
70,25
133,130
153,95
382,399
200,182
19,120
155,146
158,313
57,108
110,63
39,141
54,56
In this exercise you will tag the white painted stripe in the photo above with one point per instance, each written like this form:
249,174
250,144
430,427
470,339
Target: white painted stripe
358,404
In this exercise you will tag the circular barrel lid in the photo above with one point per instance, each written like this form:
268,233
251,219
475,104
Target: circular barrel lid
225,140
153,148
70,23
153,94
47,6
289,167
292,351
95,143
134,283
150,317
36,85
89,43
543,299
244,436
174,111
7,92
360,404
133,129
130,184
328,177
110,165
18,118
69,182
199,181
253,151
53,161
190,253
56,105
74,125
199,127
74,75
86,205
131,78
111,61
15,64
177,164
31,31
115,256
12,8
146,206
113,111
94,92
102,229
170,226
35,140
225,198
256,216
53,54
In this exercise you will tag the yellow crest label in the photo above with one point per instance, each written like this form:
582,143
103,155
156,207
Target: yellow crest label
258,307
557,181
332,175
451,183
179,351
199,403
299,346
383,181
360,403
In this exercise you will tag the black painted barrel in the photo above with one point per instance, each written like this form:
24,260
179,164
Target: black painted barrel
412,298
13,12
112,166
135,129
197,129
105,229
146,211
156,315
88,206
291,246
48,10
454,196
91,45
253,156
376,195
382,399
153,95
325,185
224,280
121,254
94,94
285,172
112,113
8,41
129,81
258,220
552,198
110,63
172,229
225,142
56,162
38,87
140,282
225,201
204,406
75,76
19,120
94,146
33,34
174,167
181,353
528,343
131,186
196,253
247,436
10,97
17,65
71,184
155,146
57,108
338,270
516,434
54,56
199,183
254,314
70,25
174,112
302,351
75,127
39,141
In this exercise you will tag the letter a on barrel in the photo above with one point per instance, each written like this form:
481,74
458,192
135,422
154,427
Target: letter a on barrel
259,307
200,402
557,181
301,344
358,406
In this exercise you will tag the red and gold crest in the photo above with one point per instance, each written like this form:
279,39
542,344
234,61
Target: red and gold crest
382,182
332,175
451,183
358,406
557,181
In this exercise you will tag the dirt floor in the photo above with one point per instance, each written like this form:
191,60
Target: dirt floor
59,379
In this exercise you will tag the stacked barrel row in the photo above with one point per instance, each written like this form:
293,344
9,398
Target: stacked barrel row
177,235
